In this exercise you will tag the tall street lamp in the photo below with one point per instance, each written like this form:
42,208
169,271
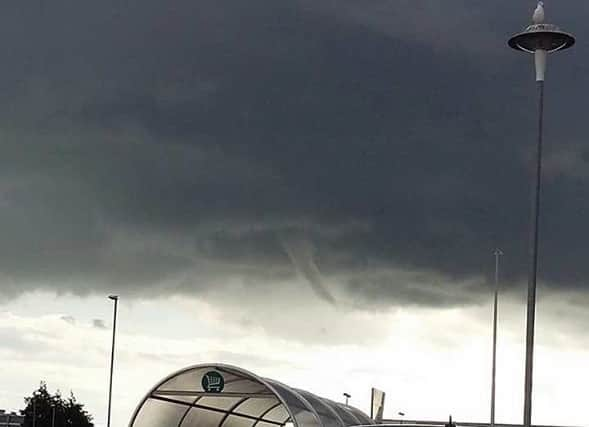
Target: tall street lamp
114,298
497,254
539,39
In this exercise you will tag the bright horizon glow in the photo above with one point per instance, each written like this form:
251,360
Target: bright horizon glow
431,363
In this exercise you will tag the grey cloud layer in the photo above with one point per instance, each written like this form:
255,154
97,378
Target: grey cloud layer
167,147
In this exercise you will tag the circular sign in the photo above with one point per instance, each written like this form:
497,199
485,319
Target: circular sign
213,382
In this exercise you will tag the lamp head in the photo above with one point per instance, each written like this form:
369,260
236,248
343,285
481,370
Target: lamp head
541,36
113,297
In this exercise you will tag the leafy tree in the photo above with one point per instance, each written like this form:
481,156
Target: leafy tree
43,407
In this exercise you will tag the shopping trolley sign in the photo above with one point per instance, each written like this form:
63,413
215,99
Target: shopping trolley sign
213,382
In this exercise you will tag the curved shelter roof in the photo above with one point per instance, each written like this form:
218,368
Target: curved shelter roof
228,396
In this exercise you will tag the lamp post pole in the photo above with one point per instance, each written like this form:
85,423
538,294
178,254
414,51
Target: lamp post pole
539,39
497,254
114,298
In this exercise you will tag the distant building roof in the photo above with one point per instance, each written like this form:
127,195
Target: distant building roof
10,419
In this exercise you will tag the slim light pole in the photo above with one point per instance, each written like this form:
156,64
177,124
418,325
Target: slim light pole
539,39
53,415
115,298
497,254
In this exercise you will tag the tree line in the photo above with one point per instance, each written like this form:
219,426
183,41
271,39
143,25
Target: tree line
43,409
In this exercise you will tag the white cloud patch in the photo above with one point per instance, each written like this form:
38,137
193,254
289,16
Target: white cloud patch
69,319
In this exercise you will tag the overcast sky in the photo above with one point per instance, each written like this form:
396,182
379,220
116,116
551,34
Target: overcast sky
282,184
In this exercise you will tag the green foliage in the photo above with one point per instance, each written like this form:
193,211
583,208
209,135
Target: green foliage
43,406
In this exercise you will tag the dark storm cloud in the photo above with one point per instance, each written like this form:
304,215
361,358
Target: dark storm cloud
167,147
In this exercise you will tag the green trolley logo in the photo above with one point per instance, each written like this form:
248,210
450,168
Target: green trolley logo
213,382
